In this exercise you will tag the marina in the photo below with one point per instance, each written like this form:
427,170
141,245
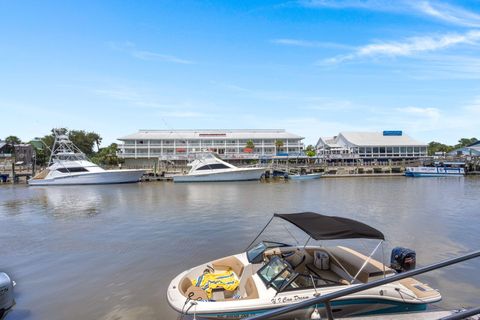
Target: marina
112,251
201,160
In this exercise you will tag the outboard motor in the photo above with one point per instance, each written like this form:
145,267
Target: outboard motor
6,294
402,259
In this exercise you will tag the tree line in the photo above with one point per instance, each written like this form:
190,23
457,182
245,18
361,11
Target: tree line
88,142
434,147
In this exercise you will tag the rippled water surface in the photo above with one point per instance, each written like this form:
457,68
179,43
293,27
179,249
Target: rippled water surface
109,252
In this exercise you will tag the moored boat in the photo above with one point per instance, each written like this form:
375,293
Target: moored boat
439,169
209,168
271,274
69,166
306,176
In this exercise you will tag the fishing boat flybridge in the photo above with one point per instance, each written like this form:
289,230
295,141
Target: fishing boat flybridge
270,275
69,166
207,167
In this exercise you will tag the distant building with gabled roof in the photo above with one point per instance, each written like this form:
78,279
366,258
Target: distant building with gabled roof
370,146
470,150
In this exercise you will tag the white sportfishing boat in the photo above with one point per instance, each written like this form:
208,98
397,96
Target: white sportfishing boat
272,275
209,168
69,166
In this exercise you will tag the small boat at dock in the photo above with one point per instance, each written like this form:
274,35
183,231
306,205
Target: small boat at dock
305,176
271,275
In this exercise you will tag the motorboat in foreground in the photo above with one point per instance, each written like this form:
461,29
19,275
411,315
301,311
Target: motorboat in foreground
209,168
69,166
271,275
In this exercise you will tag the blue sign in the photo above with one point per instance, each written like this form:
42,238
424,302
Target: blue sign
392,133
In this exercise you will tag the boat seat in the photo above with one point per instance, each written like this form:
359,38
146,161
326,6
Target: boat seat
229,262
250,289
352,261
330,277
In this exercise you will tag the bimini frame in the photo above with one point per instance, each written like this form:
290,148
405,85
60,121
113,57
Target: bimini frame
360,230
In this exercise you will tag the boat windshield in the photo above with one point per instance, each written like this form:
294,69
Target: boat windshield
276,273
255,255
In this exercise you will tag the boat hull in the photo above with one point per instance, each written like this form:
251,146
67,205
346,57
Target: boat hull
305,176
103,177
434,172
344,308
244,174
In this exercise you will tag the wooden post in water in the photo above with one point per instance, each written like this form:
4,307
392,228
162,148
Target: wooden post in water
13,171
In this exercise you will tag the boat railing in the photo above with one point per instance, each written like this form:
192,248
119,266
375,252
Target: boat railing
327,298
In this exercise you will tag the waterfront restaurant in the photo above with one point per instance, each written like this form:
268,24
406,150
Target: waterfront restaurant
138,148
370,146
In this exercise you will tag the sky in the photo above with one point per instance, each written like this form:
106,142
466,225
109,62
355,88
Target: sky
312,67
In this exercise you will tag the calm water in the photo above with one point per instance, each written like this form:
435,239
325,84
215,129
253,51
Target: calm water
109,252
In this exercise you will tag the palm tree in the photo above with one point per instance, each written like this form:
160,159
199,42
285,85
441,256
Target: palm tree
249,146
278,145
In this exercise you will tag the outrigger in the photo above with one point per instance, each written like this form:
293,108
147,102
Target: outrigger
270,275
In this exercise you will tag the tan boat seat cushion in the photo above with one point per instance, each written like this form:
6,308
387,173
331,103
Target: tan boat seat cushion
229,262
251,289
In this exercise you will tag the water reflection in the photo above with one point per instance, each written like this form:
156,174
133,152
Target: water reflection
108,252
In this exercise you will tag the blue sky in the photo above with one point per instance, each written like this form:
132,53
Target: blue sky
313,67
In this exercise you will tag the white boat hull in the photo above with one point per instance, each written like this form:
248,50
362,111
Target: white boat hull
310,176
102,177
239,174
434,172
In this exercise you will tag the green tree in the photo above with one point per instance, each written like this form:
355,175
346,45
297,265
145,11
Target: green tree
107,156
13,140
250,144
85,141
438,147
310,151
463,142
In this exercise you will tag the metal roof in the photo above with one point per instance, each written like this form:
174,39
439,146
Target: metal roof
212,134
378,139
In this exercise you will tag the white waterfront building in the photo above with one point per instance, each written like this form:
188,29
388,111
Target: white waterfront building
228,144
370,146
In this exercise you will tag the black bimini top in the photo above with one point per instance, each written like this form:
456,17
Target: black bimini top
321,227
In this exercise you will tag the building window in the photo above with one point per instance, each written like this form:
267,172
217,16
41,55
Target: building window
382,150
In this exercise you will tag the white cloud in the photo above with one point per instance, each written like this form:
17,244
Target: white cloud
448,13
131,49
430,9
408,47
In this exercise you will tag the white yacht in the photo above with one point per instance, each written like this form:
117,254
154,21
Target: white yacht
69,166
209,168
272,275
